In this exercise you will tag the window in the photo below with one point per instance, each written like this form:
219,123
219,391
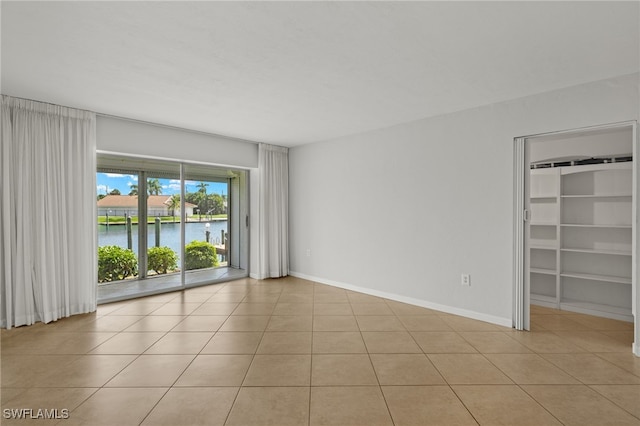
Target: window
192,232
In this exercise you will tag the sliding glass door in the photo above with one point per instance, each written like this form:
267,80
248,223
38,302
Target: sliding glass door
117,222
211,233
165,225
162,232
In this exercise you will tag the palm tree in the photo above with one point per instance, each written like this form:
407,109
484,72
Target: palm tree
174,204
202,187
154,187
202,190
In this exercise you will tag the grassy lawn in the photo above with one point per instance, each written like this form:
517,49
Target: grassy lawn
163,219
211,216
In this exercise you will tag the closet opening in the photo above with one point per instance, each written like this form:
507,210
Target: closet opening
575,223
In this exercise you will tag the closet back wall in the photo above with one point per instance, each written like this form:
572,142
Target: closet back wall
617,144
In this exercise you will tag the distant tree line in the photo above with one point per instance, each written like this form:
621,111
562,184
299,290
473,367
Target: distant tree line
113,192
209,204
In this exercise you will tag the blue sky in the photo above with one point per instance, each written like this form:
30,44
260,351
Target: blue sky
107,182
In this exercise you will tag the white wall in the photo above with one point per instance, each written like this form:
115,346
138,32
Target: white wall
136,138
405,210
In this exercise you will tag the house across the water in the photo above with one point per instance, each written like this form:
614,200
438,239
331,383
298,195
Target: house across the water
157,205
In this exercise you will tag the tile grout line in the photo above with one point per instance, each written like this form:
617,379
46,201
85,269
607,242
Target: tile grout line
520,385
166,333
253,356
313,316
441,374
463,404
611,400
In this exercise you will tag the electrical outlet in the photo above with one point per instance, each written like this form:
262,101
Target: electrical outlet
308,252
466,280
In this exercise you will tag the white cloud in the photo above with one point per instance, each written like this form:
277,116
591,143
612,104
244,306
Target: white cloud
120,175
101,188
175,181
131,183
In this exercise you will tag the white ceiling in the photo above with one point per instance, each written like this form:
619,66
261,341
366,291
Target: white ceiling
291,73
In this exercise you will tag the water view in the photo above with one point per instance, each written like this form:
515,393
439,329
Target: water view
169,234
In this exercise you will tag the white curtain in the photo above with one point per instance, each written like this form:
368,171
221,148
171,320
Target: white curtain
47,219
273,211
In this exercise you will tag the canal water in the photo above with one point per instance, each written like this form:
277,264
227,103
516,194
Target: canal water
169,234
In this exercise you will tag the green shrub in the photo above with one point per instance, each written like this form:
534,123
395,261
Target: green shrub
200,254
162,259
116,263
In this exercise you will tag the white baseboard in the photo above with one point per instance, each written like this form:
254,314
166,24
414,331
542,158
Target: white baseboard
636,349
505,322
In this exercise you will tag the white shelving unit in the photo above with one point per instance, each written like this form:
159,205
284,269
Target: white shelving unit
581,239
544,236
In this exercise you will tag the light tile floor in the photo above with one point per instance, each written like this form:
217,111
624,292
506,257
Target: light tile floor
294,352
122,290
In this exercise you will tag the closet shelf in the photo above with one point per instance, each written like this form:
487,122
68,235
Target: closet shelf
543,271
585,225
593,277
597,251
542,247
598,196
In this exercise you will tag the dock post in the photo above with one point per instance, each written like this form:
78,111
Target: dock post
157,231
223,241
129,239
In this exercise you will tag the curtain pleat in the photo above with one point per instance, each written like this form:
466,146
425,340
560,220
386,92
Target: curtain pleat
273,170
7,230
48,212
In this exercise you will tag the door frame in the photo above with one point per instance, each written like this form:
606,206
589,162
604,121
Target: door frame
521,299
